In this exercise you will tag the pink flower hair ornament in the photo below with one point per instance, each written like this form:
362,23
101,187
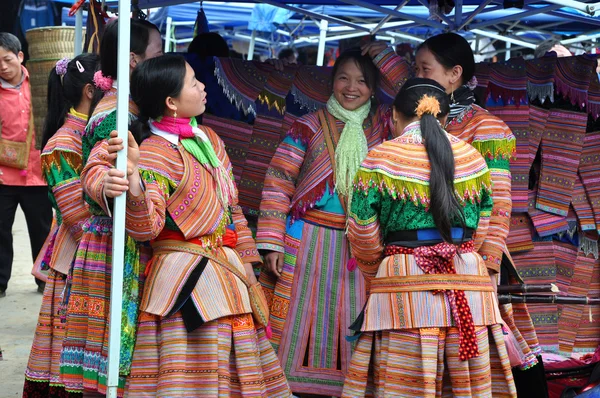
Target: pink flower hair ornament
102,82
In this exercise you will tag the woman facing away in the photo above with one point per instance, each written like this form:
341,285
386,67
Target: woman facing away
448,59
72,97
84,357
314,289
200,330
420,211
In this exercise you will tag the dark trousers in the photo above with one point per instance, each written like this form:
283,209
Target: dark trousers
38,213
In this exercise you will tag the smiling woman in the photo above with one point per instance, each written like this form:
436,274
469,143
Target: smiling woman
316,293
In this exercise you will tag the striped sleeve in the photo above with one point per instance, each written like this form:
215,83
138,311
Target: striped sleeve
92,176
61,170
494,140
393,68
279,188
364,230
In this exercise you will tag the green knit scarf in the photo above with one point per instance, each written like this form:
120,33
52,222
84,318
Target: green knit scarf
352,147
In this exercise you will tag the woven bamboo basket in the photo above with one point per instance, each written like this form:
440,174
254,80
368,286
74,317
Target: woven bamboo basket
39,69
52,42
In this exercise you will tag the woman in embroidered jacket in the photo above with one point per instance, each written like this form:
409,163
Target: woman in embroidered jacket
196,335
84,356
431,325
71,98
448,59
317,294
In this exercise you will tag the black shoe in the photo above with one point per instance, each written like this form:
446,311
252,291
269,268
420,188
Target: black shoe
41,287
2,292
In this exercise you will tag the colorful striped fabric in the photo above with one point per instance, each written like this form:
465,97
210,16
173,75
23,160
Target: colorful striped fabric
226,357
266,136
538,266
394,70
516,118
273,96
424,363
540,78
311,88
593,105
572,315
572,78
561,146
241,81
589,170
582,206
237,135
508,82
537,125
43,368
588,338
519,237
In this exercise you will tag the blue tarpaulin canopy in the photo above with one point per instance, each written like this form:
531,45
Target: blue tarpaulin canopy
297,23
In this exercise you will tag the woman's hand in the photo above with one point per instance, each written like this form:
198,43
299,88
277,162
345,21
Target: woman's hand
115,144
374,48
274,263
115,183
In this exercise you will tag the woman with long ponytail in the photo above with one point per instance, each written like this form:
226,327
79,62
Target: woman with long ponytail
420,210
72,97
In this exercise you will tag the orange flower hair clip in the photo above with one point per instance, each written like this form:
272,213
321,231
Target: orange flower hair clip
429,105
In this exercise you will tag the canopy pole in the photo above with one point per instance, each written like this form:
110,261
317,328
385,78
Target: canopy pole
168,35
322,37
251,46
507,53
118,243
78,32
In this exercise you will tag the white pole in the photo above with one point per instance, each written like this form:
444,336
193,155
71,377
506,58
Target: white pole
78,32
168,35
251,46
118,243
322,37
507,53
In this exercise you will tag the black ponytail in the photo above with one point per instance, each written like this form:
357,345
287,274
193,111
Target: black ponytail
65,92
444,204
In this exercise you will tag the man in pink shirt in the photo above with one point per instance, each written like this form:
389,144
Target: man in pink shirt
19,187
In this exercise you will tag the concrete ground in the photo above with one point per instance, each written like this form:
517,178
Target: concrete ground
18,314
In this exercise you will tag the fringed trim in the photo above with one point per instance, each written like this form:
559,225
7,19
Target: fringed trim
578,97
494,149
594,109
499,92
163,183
571,230
272,101
418,192
215,240
305,101
588,246
540,91
308,201
247,106
300,132
53,160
